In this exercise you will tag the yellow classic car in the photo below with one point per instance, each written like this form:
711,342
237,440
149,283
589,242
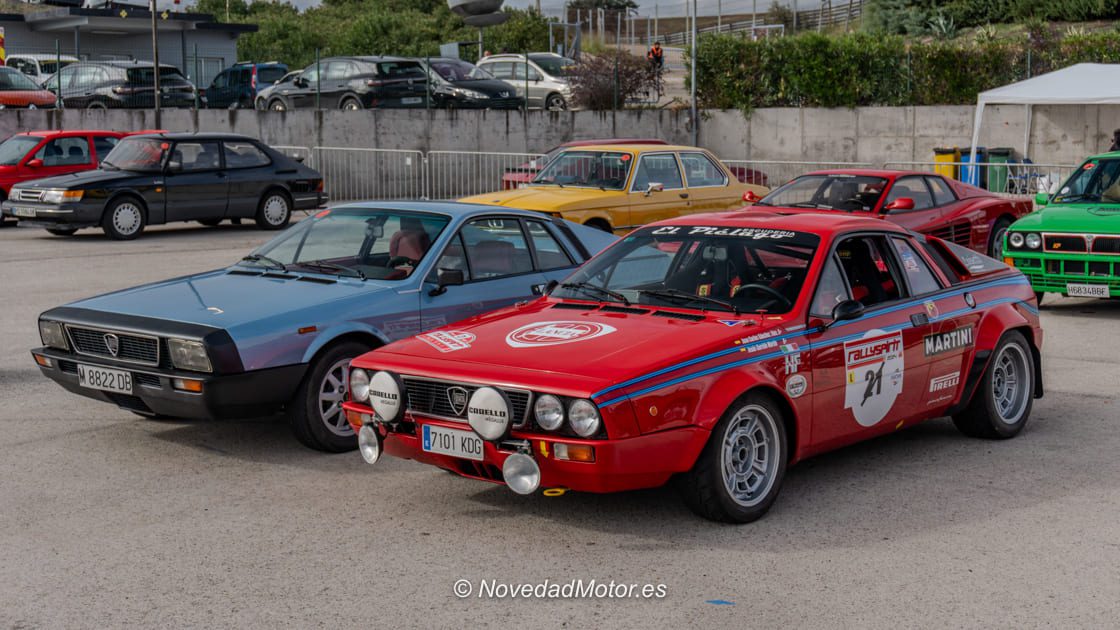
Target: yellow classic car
620,187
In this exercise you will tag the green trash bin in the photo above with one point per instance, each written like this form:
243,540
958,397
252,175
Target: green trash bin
997,169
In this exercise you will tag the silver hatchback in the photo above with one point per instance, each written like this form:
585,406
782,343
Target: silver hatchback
544,73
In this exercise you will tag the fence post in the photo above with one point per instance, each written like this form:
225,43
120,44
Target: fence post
57,74
197,77
318,79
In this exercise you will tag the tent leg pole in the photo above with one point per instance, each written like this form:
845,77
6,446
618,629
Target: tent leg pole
1027,132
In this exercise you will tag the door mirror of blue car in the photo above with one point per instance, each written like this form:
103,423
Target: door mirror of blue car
446,278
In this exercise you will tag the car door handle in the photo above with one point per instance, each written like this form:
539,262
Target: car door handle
684,195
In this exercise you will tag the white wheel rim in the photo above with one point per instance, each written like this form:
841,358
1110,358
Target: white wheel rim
277,107
1011,380
275,210
556,103
749,455
126,218
997,243
350,105
332,391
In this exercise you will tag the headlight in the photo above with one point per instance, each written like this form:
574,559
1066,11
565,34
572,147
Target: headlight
584,417
52,335
57,195
1016,239
469,93
549,412
1034,241
359,385
189,355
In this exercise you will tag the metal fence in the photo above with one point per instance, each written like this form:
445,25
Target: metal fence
1011,178
774,173
455,174
350,174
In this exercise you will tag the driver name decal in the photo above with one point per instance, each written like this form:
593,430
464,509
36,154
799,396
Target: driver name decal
556,333
448,340
874,367
701,230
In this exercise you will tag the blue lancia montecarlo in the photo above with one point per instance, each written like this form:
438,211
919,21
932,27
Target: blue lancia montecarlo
276,331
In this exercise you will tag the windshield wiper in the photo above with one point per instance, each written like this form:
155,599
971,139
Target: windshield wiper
806,204
587,287
691,297
1079,197
261,258
323,264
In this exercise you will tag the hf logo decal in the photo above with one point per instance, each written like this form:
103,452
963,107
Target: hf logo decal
874,366
942,342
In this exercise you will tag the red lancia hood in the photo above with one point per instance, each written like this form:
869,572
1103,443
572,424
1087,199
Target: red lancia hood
548,345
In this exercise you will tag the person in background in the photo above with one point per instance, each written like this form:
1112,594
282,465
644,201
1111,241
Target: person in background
1115,141
656,56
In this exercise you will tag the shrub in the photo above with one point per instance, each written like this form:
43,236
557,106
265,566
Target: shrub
595,78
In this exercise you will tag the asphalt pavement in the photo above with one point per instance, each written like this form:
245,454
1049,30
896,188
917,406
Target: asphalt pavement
111,520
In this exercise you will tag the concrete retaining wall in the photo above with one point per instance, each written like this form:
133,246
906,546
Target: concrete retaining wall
1060,134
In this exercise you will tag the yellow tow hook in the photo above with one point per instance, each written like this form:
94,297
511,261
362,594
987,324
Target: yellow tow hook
555,492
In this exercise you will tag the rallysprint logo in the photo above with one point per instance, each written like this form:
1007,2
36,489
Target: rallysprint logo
573,589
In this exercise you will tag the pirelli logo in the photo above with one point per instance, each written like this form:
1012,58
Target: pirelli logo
948,341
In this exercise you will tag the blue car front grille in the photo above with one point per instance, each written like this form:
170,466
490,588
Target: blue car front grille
131,348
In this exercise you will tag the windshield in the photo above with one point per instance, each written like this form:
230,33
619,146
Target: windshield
357,242
458,70
50,67
137,154
16,80
608,170
829,192
13,149
553,65
1094,182
749,270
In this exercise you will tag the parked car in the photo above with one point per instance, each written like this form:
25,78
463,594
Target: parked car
719,349
37,66
154,179
18,91
278,329
1071,245
265,93
621,187
548,87
354,83
524,173
237,86
458,84
120,84
924,202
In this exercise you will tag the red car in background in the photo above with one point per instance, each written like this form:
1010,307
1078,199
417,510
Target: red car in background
923,202
18,91
38,154
523,174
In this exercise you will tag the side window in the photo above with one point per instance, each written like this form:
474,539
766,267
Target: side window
831,290
913,187
868,270
64,152
495,248
550,254
103,145
941,261
699,170
66,76
453,257
519,71
658,168
501,70
311,74
244,77
196,156
921,279
244,155
942,194
220,81
335,71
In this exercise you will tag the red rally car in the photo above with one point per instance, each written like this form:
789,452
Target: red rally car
923,202
719,348
40,154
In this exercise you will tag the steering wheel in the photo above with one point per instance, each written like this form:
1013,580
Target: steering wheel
774,293
397,261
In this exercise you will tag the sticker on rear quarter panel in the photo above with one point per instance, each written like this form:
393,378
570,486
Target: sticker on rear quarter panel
556,333
874,367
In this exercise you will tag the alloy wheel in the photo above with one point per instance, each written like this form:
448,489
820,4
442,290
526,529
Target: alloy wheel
749,456
332,391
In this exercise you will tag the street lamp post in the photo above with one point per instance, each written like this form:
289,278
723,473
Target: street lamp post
692,81
155,64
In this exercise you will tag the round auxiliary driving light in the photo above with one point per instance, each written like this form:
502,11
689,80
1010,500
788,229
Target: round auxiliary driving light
521,473
1034,241
488,413
1016,239
385,396
369,443
549,412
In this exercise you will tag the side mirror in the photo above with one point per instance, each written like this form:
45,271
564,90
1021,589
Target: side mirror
751,197
1040,199
902,203
174,166
653,187
299,82
35,163
846,310
446,278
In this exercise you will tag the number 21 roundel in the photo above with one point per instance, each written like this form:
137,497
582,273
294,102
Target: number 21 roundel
874,366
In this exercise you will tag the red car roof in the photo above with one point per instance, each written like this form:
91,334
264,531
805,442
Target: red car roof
64,133
819,223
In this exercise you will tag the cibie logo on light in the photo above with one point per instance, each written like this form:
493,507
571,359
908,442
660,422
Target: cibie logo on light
556,333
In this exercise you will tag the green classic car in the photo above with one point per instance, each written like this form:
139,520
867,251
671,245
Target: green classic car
1072,244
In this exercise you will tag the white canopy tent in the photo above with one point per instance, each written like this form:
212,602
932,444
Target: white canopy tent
1080,84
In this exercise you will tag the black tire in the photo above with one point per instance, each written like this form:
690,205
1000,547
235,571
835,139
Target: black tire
351,103
706,490
310,423
555,102
995,244
277,105
274,210
600,224
62,231
96,105
123,219
210,222
985,416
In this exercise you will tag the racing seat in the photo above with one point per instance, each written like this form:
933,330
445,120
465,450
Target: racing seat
863,272
411,241
843,195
